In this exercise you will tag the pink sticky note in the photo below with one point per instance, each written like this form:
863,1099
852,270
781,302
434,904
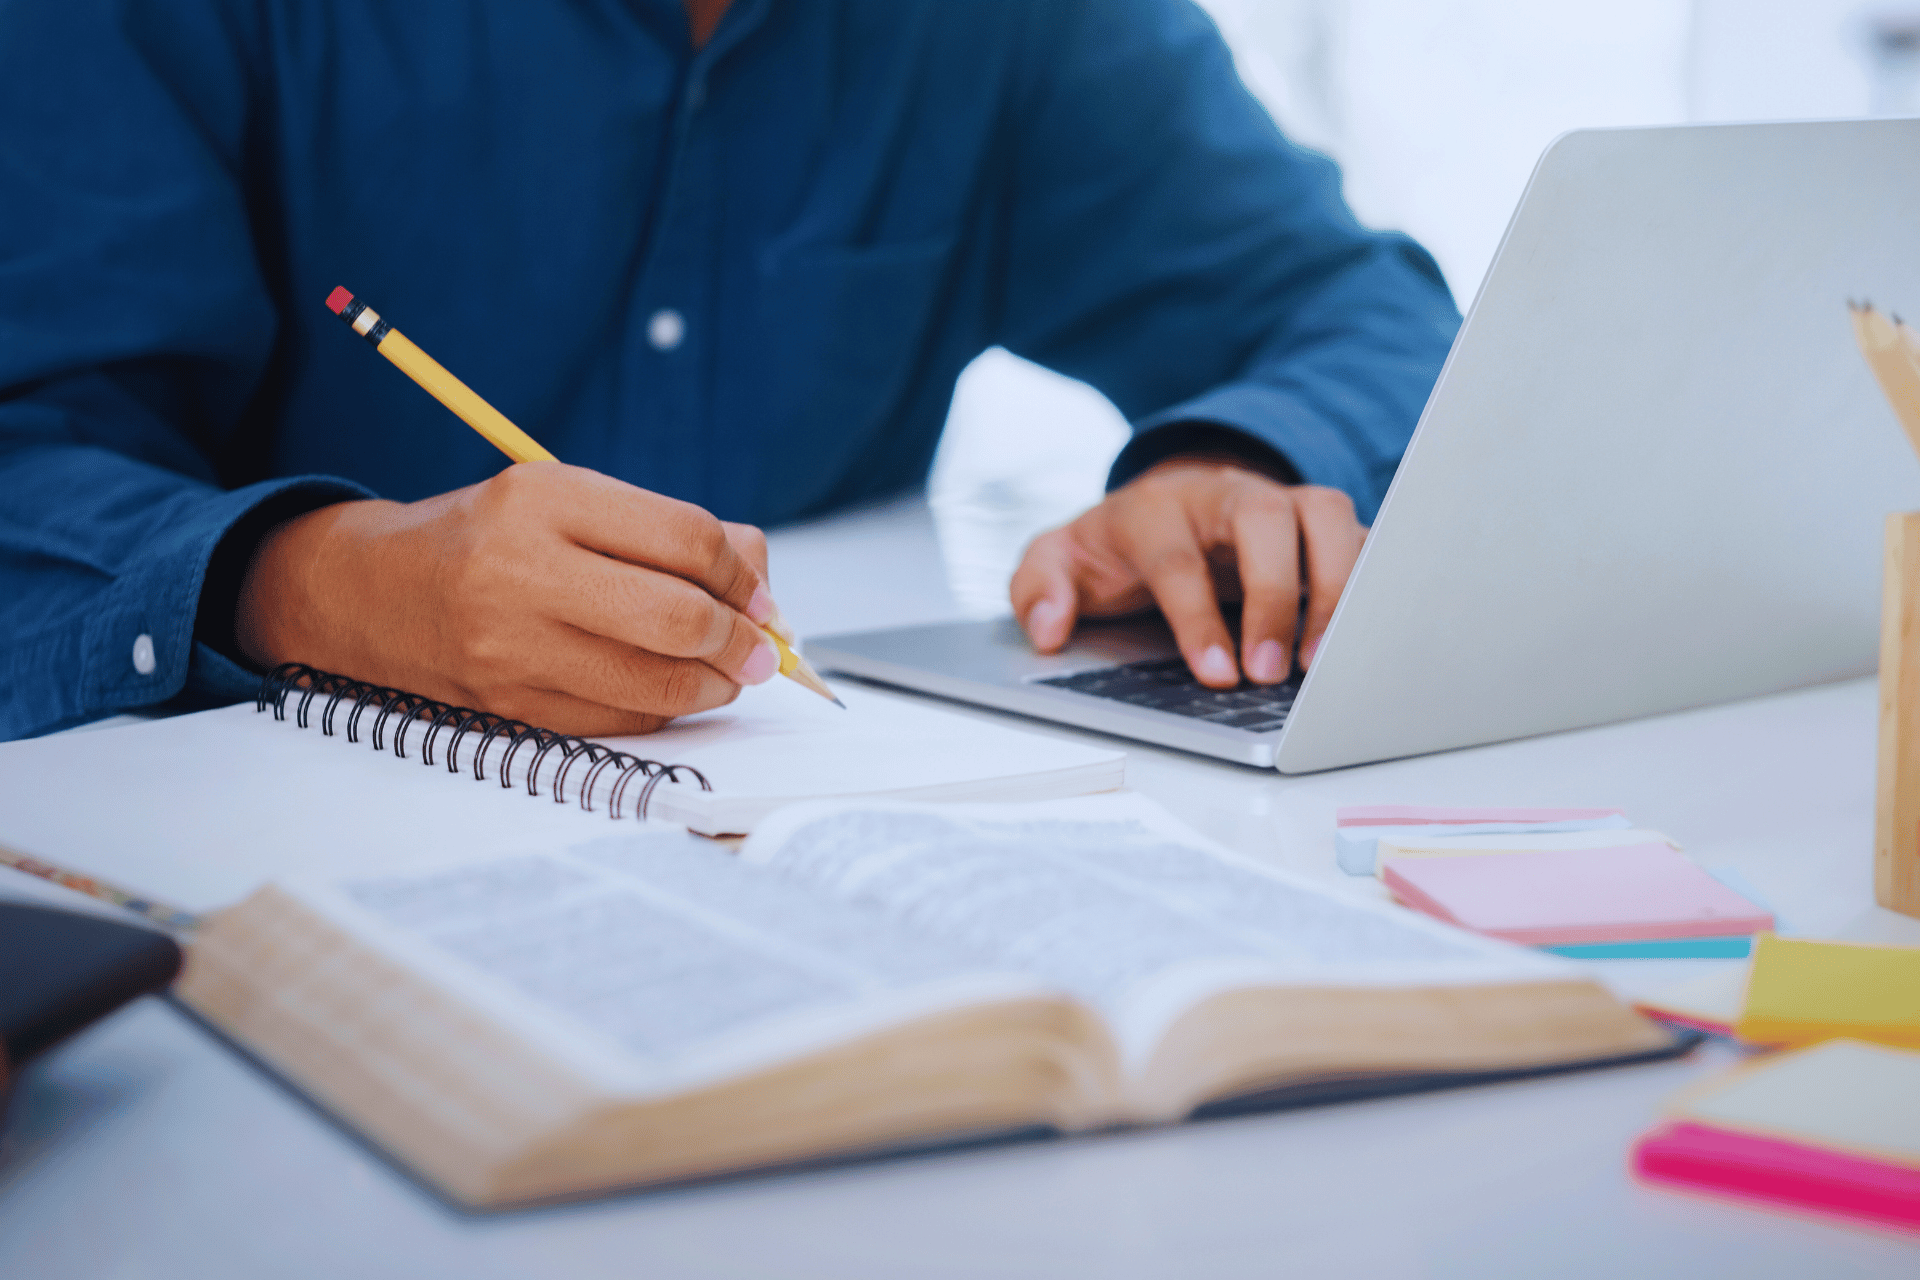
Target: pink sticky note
1568,896
1418,815
1767,1171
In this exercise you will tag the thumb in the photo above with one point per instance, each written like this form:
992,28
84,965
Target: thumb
1044,598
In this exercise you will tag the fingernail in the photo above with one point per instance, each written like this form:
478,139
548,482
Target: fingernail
760,608
1216,667
1267,663
1042,620
759,666
1307,651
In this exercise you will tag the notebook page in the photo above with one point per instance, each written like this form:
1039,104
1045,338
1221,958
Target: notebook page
657,960
199,810
777,743
1111,899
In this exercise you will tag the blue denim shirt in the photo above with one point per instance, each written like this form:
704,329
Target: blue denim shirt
746,275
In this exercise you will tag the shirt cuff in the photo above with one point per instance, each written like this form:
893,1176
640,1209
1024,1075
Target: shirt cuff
1270,423
1186,439
138,648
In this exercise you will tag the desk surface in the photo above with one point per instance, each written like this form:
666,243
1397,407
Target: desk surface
144,1148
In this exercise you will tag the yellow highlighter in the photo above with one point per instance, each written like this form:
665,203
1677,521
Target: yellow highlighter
514,442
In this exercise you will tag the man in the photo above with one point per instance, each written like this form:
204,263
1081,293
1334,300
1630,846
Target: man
727,259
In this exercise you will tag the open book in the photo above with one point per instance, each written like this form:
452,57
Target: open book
646,1006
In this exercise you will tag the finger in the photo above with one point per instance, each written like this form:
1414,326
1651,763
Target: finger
1165,550
629,523
617,676
1266,543
751,543
643,609
564,713
761,609
1332,538
1045,598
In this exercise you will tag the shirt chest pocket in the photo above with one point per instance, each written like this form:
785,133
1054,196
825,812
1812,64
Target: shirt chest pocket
847,331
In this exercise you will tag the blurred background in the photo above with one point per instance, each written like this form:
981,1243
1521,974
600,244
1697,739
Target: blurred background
1437,111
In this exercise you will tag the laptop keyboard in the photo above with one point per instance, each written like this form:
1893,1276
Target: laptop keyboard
1165,684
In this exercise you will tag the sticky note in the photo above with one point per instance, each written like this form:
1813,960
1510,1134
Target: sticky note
1571,896
1359,829
1842,1094
1730,947
1411,815
1467,846
1709,1002
1801,992
1715,948
1770,1173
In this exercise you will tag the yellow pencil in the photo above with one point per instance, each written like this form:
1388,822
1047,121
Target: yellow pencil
514,442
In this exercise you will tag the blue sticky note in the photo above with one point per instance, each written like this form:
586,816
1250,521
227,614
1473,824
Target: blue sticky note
1727,948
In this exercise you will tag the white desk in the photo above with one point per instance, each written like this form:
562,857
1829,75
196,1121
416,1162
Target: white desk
143,1148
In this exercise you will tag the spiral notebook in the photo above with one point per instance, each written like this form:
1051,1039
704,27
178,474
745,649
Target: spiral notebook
322,774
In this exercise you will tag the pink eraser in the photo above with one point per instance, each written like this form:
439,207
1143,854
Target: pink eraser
1418,815
337,300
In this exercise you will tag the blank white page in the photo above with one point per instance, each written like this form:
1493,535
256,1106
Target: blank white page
779,743
199,810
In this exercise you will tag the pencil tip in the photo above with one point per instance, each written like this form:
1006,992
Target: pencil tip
839,704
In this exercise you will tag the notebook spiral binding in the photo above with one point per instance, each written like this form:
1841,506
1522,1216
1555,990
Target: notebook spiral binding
399,710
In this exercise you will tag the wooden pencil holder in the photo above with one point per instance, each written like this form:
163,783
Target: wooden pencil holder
1896,844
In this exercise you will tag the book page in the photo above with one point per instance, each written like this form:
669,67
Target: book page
1111,899
657,958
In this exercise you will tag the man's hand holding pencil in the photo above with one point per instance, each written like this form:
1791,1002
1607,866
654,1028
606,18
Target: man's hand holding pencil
549,593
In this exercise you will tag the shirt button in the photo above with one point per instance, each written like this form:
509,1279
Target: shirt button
143,654
666,329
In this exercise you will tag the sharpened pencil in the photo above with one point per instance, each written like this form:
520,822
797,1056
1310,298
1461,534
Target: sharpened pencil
1890,349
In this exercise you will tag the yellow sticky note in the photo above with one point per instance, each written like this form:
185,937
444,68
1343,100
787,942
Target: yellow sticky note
1804,992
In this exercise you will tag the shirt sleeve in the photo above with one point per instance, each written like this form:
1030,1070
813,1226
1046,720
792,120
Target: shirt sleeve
1167,245
135,330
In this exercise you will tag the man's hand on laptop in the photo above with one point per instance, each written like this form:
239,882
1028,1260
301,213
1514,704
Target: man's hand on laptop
1185,535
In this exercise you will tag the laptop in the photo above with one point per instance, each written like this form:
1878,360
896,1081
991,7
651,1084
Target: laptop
1653,475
